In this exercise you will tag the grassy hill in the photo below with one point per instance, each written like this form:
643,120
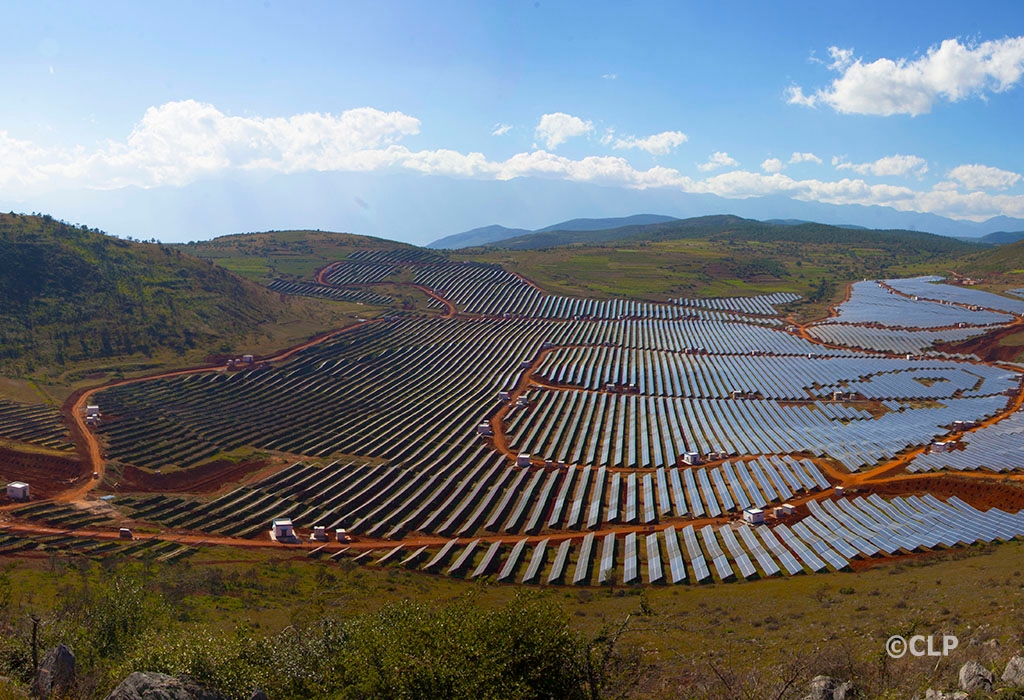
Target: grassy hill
74,296
289,254
493,235
736,228
722,255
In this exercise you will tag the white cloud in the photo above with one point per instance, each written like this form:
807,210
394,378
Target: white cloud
500,129
718,159
772,165
557,128
178,142
896,165
610,76
804,158
951,71
181,142
984,177
656,144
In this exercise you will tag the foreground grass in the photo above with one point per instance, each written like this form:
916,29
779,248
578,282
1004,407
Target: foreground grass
726,640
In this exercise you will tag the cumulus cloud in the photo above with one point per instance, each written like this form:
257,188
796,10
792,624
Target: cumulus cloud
655,144
896,165
181,142
500,129
178,142
610,76
804,158
983,177
718,159
952,71
557,128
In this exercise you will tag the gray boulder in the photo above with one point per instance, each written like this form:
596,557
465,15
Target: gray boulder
1014,673
827,688
159,686
56,674
258,695
939,695
975,678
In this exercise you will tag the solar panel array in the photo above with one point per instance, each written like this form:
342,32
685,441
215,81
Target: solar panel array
829,537
892,340
997,448
870,302
927,288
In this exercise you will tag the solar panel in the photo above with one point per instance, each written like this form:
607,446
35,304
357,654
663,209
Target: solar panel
789,562
613,497
441,555
677,492
536,562
463,559
607,558
629,563
664,502
561,559
711,545
509,567
722,568
696,506
390,555
594,516
649,505
631,495
655,573
488,561
764,560
723,492
677,571
412,558
713,509
582,572
801,550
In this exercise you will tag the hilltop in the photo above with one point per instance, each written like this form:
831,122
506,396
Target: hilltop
298,254
488,235
74,295
735,227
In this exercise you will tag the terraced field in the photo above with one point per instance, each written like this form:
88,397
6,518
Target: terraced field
549,439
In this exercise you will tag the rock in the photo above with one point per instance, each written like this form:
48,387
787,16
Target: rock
940,695
159,686
258,695
974,677
56,674
827,688
1014,673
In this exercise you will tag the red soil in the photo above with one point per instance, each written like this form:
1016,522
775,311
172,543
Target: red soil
987,347
205,478
45,474
983,494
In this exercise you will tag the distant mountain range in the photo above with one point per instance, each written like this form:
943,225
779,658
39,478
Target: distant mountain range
733,227
418,209
493,234
650,227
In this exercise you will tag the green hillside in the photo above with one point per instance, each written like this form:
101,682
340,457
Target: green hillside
73,295
735,228
290,254
723,256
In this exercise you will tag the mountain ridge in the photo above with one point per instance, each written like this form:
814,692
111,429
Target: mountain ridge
494,233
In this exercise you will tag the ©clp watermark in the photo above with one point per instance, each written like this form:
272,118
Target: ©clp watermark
897,646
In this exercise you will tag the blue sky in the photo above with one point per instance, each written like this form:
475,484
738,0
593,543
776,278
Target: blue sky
915,106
